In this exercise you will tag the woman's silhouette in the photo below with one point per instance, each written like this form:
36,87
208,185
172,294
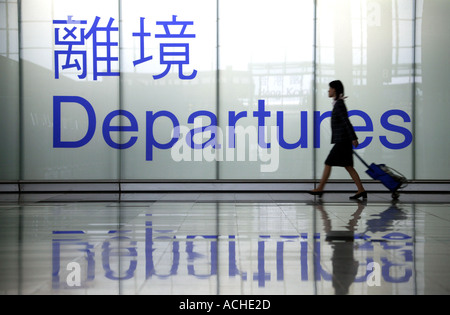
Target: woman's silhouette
344,138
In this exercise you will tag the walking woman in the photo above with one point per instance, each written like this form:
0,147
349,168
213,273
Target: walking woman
344,138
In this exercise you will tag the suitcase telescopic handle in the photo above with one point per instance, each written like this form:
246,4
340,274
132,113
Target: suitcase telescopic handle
360,158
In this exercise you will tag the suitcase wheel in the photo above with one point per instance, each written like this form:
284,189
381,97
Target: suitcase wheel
395,195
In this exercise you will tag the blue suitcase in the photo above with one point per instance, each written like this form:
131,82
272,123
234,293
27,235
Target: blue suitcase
389,177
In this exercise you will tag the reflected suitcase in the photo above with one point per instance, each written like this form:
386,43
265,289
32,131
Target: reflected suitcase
389,177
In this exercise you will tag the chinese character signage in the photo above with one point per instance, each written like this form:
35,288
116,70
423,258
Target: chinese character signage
71,38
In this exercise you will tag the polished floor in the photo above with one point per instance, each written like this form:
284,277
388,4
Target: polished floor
224,243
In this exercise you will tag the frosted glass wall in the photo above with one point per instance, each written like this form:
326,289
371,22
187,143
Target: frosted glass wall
204,89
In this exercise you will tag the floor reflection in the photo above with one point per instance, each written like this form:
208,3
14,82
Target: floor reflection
224,248
344,265
377,258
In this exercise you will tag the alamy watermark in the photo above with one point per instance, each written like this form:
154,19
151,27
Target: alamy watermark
73,279
235,144
374,277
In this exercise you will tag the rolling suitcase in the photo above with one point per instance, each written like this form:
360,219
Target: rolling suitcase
389,177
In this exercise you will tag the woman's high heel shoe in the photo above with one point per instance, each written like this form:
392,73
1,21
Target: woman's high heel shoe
316,193
362,194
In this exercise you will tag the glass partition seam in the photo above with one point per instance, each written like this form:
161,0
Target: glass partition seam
120,156
121,107
20,122
413,100
217,81
314,86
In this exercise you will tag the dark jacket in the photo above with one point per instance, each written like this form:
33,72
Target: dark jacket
341,127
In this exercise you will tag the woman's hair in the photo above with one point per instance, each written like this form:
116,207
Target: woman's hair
339,88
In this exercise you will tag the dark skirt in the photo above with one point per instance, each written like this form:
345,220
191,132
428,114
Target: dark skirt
341,154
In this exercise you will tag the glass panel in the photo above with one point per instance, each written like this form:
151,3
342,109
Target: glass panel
9,92
368,45
162,90
266,75
432,97
69,84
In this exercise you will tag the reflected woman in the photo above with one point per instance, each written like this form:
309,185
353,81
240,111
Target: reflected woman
344,138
